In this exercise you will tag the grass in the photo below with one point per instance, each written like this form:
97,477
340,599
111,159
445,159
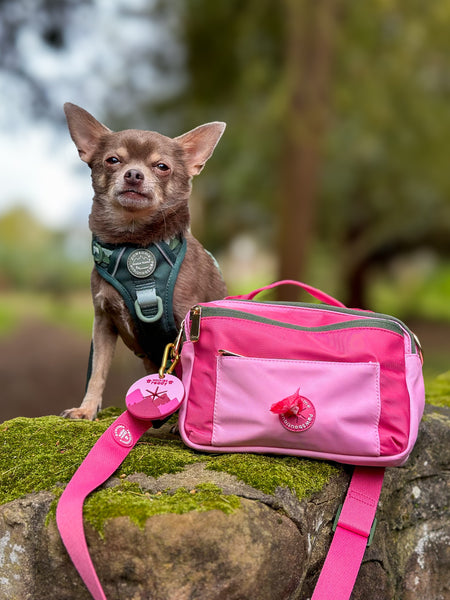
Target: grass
412,295
9,318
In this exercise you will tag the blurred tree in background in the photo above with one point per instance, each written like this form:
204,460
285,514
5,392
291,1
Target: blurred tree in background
386,188
367,84
333,167
338,116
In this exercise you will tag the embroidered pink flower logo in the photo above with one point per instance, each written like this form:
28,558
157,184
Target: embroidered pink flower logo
297,413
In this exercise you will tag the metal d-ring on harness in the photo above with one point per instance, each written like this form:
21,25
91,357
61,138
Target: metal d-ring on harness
145,277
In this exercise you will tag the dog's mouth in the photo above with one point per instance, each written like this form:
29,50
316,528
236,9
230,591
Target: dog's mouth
133,200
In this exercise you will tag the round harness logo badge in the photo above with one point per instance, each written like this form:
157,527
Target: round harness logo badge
141,263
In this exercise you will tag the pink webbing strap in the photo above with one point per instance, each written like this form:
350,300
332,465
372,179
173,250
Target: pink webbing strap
308,288
151,398
346,552
108,453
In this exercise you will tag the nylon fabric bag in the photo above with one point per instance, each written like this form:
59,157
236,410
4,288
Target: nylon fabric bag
354,378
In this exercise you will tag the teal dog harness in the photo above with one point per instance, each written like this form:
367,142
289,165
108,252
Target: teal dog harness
145,277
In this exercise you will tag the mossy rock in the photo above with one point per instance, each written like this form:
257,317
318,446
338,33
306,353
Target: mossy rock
213,526
438,391
220,543
43,453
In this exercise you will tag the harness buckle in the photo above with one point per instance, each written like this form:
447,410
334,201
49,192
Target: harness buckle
101,255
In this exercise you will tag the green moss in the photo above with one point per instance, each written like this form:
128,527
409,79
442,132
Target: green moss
129,500
43,453
110,412
444,419
267,473
38,454
438,391
155,457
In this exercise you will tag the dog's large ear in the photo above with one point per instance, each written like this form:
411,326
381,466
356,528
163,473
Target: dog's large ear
84,130
199,144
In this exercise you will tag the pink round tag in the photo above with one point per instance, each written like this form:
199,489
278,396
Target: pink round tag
303,420
153,398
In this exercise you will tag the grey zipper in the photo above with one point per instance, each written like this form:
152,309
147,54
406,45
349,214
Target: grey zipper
375,320
346,311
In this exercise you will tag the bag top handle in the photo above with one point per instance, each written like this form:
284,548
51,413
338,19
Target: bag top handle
318,294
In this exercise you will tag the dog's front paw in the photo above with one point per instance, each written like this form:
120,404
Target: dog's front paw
79,413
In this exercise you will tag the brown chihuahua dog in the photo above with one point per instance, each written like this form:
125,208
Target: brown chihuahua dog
142,184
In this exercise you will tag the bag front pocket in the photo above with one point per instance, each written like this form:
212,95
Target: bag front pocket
343,397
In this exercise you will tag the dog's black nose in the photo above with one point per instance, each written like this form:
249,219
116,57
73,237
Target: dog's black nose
134,176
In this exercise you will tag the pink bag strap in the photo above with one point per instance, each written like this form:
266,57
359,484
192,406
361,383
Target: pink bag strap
318,294
353,529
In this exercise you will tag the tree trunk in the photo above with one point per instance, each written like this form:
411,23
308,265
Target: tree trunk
310,27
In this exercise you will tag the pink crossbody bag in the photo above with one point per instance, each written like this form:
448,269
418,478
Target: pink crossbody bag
315,380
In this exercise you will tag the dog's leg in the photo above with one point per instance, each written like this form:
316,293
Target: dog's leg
104,343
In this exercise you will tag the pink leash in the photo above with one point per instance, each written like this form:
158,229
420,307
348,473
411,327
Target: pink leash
154,398
101,462
150,398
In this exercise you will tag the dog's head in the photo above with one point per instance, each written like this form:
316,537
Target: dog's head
140,178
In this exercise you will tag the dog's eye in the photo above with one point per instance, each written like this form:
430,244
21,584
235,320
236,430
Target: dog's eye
112,160
162,167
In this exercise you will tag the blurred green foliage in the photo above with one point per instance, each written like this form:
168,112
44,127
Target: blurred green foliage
33,257
383,189
384,184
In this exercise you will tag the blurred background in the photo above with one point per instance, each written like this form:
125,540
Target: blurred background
333,168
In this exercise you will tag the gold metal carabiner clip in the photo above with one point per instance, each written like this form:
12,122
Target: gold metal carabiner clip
165,359
172,349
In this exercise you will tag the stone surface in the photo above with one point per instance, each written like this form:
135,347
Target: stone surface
272,547
178,557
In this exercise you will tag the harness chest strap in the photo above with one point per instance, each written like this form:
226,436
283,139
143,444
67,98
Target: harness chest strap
145,278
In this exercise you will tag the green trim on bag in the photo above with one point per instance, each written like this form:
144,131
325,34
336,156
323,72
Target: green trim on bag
376,320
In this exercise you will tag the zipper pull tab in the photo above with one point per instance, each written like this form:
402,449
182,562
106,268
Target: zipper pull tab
196,313
229,353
